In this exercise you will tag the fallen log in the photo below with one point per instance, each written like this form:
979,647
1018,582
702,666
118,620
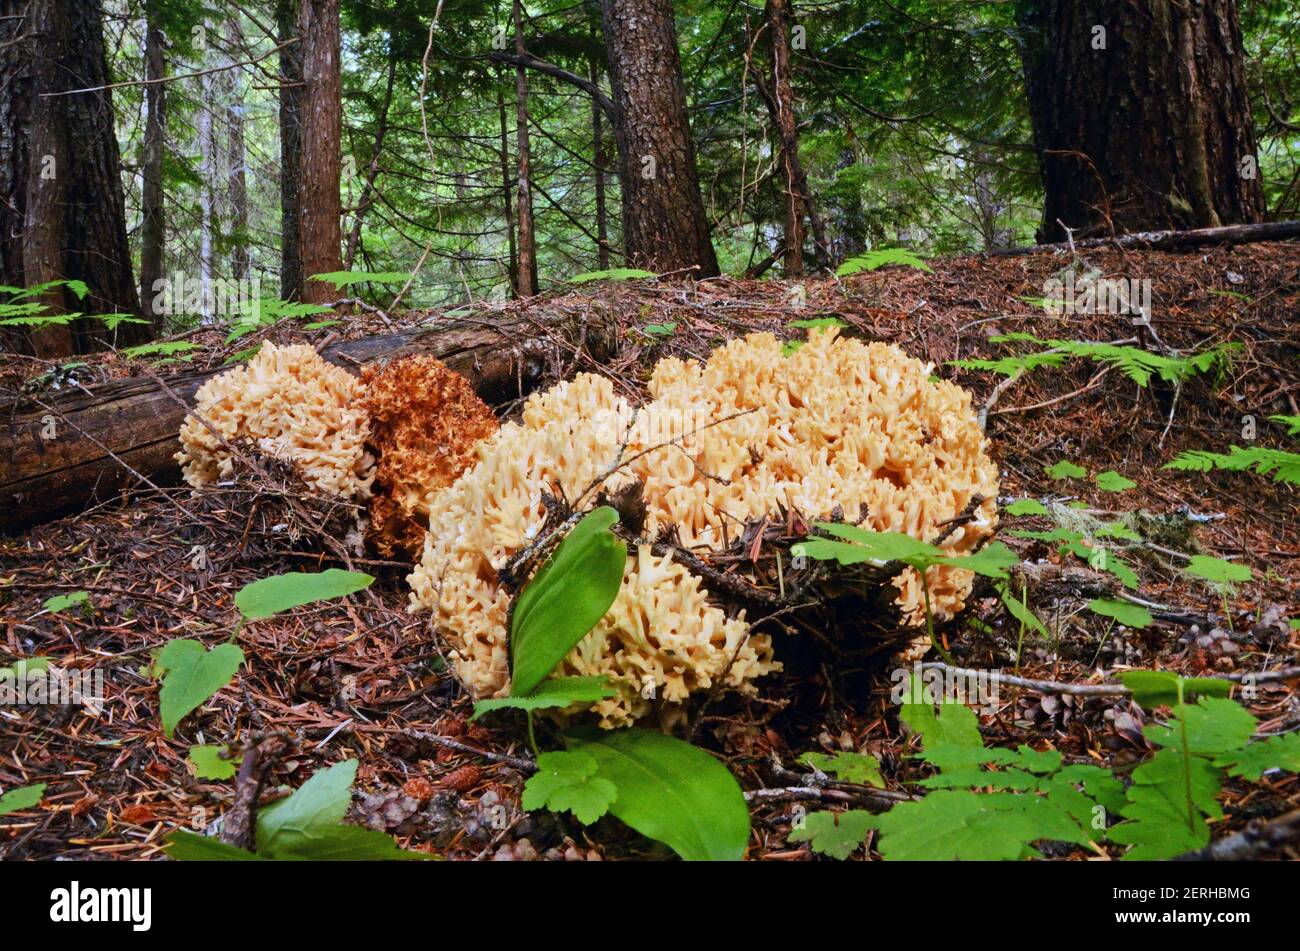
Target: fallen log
1170,240
61,453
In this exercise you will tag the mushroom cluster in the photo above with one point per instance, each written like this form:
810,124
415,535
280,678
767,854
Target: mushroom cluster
291,405
426,420
838,425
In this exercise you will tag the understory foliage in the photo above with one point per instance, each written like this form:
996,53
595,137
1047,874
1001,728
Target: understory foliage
991,803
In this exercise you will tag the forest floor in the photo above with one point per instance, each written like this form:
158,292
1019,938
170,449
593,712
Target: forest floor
365,679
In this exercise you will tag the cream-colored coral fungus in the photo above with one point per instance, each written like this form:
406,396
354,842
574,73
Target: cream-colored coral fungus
425,420
837,424
291,405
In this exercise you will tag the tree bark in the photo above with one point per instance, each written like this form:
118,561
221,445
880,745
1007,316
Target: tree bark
664,224
598,161
320,229
777,14
236,158
137,421
153,217
64,212
507,202
206,129
526,283
1140,115
48,174
290,151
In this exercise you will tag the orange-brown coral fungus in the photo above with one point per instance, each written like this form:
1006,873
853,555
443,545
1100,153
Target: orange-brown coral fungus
425,420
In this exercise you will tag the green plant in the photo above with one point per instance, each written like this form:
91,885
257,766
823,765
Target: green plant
847,767
660,330
1137,364
24,797
61,602
1065,469
270,596
662,787
871,260
853,545
208,763
342,279
565,598
612,274
1175,792
191,675
1112,481
550,694
307,825
1282,466
1035,796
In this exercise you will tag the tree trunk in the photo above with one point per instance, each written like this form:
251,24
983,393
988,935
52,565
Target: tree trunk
526,283
48,174
598,160
153,220
372,172
236,158
664,225
290,150
1140,115
64,212
206,130
506,186
777,14
137,421
320,230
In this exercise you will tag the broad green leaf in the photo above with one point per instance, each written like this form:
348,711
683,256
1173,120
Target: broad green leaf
955,725
612,274
1213,725
950,825
270,596
670,791
1159,688
565,599
24,797
1065,469
309,813
186,846
660,330
342,843
208,762
193,675
1217,570
1112,481
1021,612
991,561
553,692
847,767
1026,507
61,602
1130,615
566,781
1118,530
1252,760
837,834
1160,823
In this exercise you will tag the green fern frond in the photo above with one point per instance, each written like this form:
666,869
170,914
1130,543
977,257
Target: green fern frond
1279,465
871,260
